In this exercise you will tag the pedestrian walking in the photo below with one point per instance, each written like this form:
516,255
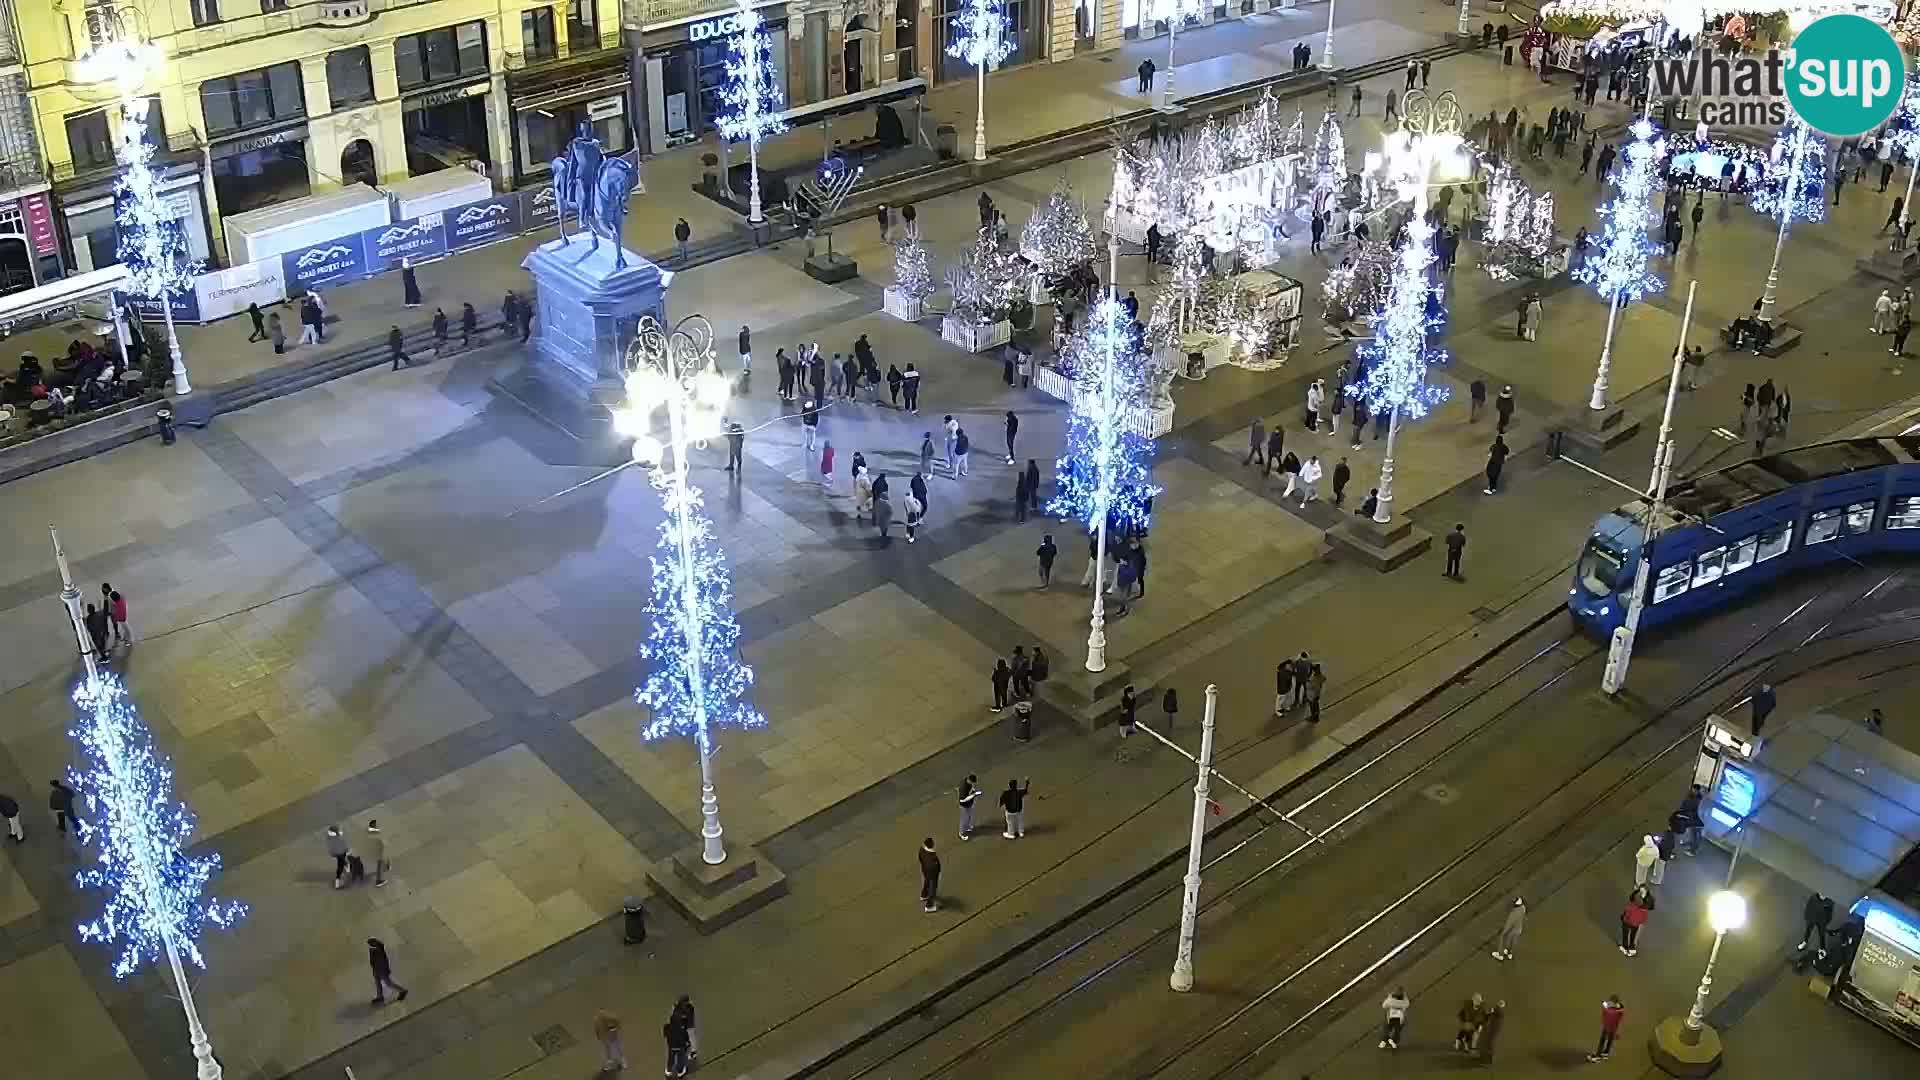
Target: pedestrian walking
1456,547
60,800
682,232
1002,678
469,325
893,384
678,1043
1170,704
916,512
1013,429
683,1015
961,448
1046,553
524,317
1900,332
1395,1006
1496,461
736,444
116,607
1129,706
910,388
1413,72
929,876
1490,1031
1276,441
1342,475
409,285
1632,918
1013,806
1763,704
337,847
884,217
606,1028
1511,929
382,966
969,794
1817,914
1309,480
1393,112
277,333
1503,405
1612,1011
1020,496
259,321
1426,73
1477,400
396,349
1472,1012
97,624
1356,100
1882,312
1145,71
377,854
810,423
826,465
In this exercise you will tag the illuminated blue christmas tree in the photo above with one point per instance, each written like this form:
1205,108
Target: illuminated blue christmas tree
1618,271
1793,187
980,38
752,97
156,904
1105,472
696,681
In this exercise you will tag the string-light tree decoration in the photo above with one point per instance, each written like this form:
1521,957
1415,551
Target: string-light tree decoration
149,242
1903,131
752,96
1189,276
1392,370
1361,283
696,680
1504,191
1526,237
1058,239
1619,272
1295,140
1105,469
987,282
156,903
1328,167
1796,173
981,38
912,269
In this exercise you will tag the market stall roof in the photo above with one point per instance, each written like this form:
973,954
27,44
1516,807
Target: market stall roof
61,293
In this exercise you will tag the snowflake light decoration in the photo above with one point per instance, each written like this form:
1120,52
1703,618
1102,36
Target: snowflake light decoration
980,35
752,96
148,241
1393,366
156,892
696,680
1105,470
1620,267
1793,187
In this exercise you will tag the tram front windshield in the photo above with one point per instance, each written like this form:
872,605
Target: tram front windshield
1600,568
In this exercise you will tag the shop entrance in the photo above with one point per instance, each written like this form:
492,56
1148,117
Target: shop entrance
356,165
447,135
1086,20
859,37
16,264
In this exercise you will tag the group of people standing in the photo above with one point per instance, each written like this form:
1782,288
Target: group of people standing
680,1031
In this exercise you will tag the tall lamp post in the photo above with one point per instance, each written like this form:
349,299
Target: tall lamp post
149,241
980,38
1727,911
1461,29
1175,12
1793,189
1396,374
696,680
1326,50
1182,977
155,905
752,97
1620,272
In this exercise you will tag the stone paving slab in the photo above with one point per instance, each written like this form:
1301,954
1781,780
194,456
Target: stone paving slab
309,434
16,899
831,735
54,1027
490,863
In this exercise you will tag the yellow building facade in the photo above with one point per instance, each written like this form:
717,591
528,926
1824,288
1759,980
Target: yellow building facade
263,101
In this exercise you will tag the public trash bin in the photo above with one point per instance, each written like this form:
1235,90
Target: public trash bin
1023,721
1508,60
167,435
633,921
946,141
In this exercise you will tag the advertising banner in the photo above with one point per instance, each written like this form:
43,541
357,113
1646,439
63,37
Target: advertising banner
324,264
418,238
538,208
221,293
186,306
482,222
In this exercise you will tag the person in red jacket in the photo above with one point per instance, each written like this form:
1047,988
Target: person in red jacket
1632,918
1612,1011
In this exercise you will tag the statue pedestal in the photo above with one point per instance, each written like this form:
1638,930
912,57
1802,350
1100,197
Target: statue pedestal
589,311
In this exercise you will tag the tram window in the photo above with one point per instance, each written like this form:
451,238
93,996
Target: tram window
1740,555
1709,566
1600,569
1823,526
1859,519
1671,582
1774,542
1904,512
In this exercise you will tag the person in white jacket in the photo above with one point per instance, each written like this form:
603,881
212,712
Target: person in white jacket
1395,1006
1645,860
1315,398
1309,480
1511,930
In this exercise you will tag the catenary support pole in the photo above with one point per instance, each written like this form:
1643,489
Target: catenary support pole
1182,977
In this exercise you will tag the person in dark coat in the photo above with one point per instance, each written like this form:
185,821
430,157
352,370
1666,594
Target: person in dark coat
1276,445
929,876
276,333
97,627
1129,717
469,325
1496,461
1021,497
396,349
1817,914
509,311
1282,687
1503,409
409,285
1002,678
1137,559
525,318
60,800
1170,704
382,973
1013,429
259,321
893,384
10,810
1490,1031
1342,475
1033,482
1763,703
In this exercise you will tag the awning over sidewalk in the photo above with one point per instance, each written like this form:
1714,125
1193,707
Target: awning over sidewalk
63,293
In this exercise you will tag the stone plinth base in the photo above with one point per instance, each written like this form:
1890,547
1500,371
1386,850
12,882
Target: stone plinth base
831,269
901,306
1089,697
1786,337
712,896
1597,430
1898,267
1382,547
1673,1055
193,410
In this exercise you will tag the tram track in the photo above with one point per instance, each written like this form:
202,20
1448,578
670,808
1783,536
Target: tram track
968,1027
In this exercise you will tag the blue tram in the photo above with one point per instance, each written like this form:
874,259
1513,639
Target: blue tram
1737,528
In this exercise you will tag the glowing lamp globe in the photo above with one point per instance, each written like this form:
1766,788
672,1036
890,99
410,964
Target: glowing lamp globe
1727,911
647,450
712,389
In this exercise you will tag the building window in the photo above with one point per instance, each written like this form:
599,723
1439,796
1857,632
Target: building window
536,34
269,6
205,12
349,76
262,96
583,25
156,135
88,139
451,52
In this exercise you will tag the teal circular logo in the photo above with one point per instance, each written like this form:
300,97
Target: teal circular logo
1845,75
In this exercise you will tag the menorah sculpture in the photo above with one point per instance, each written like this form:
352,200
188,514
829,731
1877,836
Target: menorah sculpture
819,199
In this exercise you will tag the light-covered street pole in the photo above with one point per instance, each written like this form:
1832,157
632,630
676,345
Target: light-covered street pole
980,38
1619,272
1726,911
1326,50
1182,977
1461,29
751,98
1789,203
